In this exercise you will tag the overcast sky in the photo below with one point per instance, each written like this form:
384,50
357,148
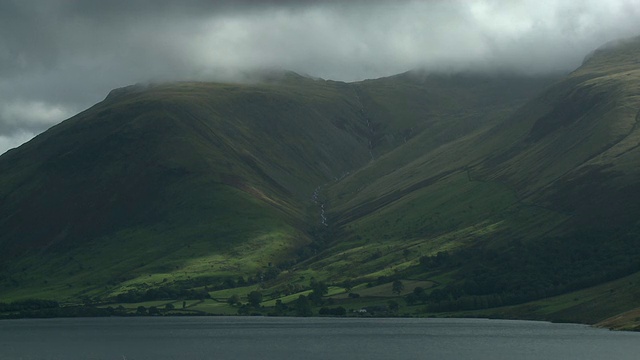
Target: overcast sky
58,57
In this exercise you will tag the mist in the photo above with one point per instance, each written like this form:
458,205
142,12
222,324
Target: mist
59,57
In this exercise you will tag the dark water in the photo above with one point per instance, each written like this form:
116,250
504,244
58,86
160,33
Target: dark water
295,338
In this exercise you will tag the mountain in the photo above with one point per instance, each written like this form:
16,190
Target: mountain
154,178
485,192
540,204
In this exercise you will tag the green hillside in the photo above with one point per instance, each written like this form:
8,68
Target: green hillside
151,180
485,190
544,202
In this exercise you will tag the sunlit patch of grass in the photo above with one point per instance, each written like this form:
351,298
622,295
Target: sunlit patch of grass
386,290
241,292
287,299
214,307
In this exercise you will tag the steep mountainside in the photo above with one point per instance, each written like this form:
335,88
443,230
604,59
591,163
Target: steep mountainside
542,203
154,177
482,190
199,180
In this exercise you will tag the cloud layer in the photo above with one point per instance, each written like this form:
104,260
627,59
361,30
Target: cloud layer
58,57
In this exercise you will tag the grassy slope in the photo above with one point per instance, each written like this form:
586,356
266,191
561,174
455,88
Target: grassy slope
421,198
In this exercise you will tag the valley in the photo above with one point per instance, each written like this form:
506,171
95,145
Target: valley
420,194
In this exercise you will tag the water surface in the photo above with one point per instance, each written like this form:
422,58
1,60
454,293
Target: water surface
309,339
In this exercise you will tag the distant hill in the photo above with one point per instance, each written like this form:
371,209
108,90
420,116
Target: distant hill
495,189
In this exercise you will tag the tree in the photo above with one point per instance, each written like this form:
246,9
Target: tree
255,298
229,283
280,308
154,311
411,299
271,273
339,311
244,310
397,287
141,310
169,306
425,262
319,288
303,307
420,294
233,299
393,305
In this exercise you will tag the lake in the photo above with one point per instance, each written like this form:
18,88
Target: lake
308,339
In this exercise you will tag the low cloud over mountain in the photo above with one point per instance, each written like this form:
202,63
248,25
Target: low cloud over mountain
58,57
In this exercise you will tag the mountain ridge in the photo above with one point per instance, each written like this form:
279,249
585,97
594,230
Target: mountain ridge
427,177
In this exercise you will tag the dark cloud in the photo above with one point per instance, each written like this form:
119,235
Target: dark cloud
58,57
23,40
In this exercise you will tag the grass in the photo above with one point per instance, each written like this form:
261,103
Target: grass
240,291
286,299
165,261
192,307
385,290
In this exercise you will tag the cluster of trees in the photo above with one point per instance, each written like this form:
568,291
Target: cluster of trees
152,311
397,287
270,273
301,307
338,311
28,305
453,298
521,272
162,293
292,289
319,289
186,289
64,311
379,281
254,298
51,309
441,259
217,283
